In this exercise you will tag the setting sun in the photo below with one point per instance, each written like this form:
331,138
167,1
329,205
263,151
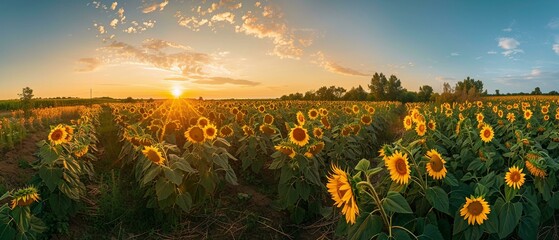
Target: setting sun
176,91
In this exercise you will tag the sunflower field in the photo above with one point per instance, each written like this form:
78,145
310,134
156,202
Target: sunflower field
467,170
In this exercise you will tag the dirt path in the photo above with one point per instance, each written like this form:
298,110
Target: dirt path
15,164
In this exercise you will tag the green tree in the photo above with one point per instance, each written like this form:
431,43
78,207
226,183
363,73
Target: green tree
497,92
468,89
25,97
356,93
378,86
537,91
425,93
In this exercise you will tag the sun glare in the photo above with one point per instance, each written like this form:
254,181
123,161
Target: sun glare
176,91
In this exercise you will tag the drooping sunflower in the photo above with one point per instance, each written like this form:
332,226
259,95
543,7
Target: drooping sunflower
528,114
153,154
300,118
325,122
341,191
314,149
81,151
226,131
318,133
286,150
267,129
399,168
25,197
486,133
195,134
408,122
514,177
475,210
533,167
268,119
421,128
248,131
70,132
210,131
313,113
366,120
346,130
299,136
435,167
58,135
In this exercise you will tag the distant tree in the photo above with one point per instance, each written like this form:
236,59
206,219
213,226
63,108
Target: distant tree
25,97
129,100
378,86
553,93
537,91
356,94
406,96
425,93
497,92
468,89
309,95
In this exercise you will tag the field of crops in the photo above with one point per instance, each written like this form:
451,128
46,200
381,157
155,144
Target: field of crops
356,170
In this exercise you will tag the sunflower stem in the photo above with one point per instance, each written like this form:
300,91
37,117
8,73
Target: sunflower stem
405,229
375,197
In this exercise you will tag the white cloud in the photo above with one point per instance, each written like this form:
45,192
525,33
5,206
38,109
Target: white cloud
454,54
113,23
510,45
492,52
113,6
507,29
555,48
155,6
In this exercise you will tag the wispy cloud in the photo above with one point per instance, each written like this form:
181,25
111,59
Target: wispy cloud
88,64
555,48
510,45
444,79
553,23
491,52
215,80
321,60
507,29
454,54
154,6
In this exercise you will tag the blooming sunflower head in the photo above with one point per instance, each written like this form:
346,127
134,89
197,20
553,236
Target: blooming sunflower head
58,135
475,210
300,118
514,177
318,133
341,191
287,150
432,125
268,119
210,131
25,197
313,113
480,117
299,136
248,131
195,134
408,122
435,167
202,121
421,128
399,167
366,120
226,131
486,133
153,154
527,114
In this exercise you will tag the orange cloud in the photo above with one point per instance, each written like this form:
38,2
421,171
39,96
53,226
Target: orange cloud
321,60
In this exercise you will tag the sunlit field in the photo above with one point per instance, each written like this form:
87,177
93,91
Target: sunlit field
234,119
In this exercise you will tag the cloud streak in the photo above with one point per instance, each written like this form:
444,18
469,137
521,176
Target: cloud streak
155,6
88,64
510,46
321,60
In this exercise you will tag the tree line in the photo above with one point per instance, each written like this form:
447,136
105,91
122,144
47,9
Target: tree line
383,88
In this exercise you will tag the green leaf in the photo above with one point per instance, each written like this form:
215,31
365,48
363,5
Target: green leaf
451,180
400,234
366,228
431,232
152,172
491,225
163,189
395,202
184,200
51,176
509,217
459,224
183,165
173,176
363,165
438,198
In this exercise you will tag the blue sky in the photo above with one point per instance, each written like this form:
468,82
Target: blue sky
253,49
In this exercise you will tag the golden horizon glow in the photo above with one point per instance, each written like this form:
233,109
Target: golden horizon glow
176,91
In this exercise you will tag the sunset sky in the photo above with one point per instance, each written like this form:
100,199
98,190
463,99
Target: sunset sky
264,49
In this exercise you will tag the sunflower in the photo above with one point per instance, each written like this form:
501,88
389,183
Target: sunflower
325,122
248,130
432,125
399,168
153,154
210,131
371,110
81,151
195,134
366,120
314,149
475,210
267,129
486,133
355,109
500,113
435,167
299,136
407,122
70,131
226,131
286,150
545,109
421,128
58,135
546,117
511,117
268,119
318,133
514,177
533,166
300,118
480,117
25,197
346,131
527,114
202,121
341,191
261,108
323,111
313,113
415,115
